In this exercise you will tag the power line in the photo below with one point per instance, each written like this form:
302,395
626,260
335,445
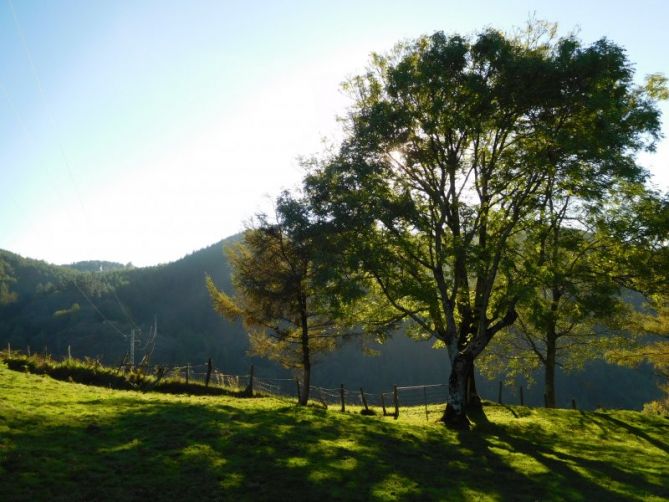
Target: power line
10,193
28,134
83,214
40,88
74,280
123,309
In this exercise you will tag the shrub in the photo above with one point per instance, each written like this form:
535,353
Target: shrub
657,408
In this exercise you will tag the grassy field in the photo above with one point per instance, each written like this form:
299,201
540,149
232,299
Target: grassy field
66,441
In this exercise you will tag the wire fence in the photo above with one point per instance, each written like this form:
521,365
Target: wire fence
412,400
416,400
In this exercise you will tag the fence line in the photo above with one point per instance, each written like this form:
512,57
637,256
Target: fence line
426,399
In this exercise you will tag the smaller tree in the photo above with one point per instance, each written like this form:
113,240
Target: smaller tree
653,350
290,315
647,270
572,308
585,261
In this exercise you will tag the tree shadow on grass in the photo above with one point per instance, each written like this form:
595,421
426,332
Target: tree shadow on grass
174,450
614,422
563,475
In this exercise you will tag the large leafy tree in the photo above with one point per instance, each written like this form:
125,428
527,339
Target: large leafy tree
451,147
291,314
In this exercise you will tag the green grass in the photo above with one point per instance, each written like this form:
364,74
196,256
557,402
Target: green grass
91,372
67,441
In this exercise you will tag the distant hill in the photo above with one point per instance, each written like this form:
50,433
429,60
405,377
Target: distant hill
114,301
50,307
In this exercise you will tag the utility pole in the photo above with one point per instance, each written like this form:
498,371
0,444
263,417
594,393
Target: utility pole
132,348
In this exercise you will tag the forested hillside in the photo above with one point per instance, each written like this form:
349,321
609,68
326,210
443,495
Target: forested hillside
51,307
93,312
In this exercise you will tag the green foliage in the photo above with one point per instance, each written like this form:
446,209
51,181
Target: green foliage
99,266
6,280
656,86
189,330
274,296
453,147
88,372
72,310
62,441
653,322
580,257
647,270
657,408
291,316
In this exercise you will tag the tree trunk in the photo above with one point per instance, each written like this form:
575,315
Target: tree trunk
306,383
455,416
472,398
306,359
549,378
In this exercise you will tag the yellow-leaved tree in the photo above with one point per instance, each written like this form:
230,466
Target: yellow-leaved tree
291,315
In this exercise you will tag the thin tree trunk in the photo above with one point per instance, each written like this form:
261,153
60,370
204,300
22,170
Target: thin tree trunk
549,378
306,383
306,359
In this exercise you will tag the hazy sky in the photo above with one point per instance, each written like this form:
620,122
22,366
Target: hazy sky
144,130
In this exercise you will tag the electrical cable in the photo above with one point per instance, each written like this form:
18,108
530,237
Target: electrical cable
83,213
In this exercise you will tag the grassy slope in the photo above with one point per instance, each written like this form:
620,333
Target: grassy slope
67,441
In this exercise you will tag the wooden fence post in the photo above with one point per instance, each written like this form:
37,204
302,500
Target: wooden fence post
69,353
364,399
499,393
573,404
383,404
9,349
321,399
396,402
160,372
425,401
343,400
208,377
187,373
297,384
251,381
28,350
522,403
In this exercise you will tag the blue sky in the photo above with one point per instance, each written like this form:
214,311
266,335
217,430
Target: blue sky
143,130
